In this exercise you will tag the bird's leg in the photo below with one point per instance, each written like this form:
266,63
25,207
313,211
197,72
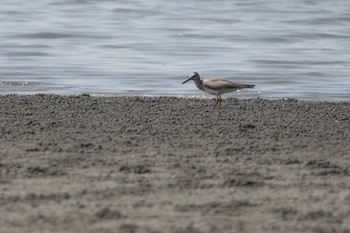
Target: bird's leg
220,100
217,100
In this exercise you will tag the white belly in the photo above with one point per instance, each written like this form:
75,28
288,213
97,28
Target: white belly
210,91
216,92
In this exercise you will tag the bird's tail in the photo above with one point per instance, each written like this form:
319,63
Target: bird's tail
247,86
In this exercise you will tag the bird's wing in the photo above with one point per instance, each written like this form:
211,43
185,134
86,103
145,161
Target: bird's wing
220,84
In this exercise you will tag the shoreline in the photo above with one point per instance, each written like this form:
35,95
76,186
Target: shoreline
198,95
81,163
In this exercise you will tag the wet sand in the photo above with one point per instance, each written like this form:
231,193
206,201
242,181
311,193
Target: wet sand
134,164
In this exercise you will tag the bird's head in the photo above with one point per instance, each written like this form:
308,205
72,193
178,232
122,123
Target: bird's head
193,76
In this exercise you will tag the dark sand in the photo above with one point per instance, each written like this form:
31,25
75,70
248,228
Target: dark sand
132,164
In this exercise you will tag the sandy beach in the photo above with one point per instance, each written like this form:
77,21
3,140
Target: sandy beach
166,164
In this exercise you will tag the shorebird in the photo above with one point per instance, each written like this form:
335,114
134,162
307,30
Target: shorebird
215,86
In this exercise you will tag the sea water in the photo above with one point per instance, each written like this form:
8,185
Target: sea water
288,49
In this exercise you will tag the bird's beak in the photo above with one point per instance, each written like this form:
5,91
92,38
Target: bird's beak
187,80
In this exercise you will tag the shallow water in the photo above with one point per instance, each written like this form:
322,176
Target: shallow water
296,49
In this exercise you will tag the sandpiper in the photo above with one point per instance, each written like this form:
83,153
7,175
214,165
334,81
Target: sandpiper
215,86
